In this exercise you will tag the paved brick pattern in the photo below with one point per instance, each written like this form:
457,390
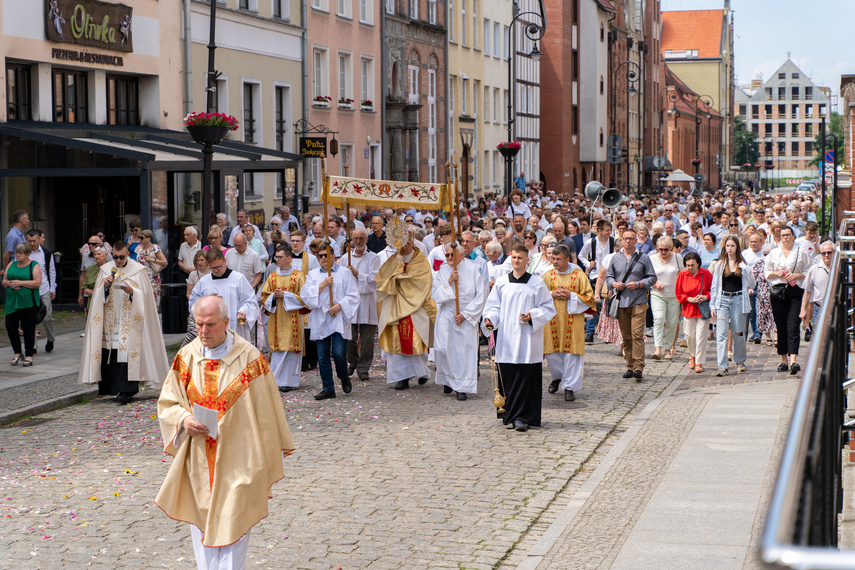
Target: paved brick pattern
31,394
381,479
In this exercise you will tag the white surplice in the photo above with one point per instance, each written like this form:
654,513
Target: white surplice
345,293
238,294
518,342
564,366
456,346
367,265
285,364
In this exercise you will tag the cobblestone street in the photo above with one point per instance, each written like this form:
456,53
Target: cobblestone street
380,479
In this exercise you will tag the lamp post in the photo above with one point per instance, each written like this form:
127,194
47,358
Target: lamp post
208,145
707,101
534,30
826,136
722,166
633,74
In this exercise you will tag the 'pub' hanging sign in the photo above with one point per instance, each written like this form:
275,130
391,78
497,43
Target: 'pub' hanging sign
90,23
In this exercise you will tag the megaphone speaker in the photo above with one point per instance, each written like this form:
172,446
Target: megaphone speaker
612,197
593,189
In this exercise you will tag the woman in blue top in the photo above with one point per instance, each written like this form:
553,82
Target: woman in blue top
644,244
134,240
709,252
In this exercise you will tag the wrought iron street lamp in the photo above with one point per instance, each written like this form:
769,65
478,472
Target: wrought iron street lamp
708,102
534,29
672,97
633,74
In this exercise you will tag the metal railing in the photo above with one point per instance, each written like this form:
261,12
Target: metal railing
802,522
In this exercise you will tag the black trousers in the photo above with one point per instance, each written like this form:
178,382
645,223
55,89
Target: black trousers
25,319
787,321
310,353
114,376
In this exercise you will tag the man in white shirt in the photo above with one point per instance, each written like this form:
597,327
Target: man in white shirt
816,282
188,249
243,219
810,241
594,251
47,289
336,235
364,265
330,319
353,219
244,260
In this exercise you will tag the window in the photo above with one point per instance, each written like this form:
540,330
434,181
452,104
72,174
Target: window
755,128
755,112
253,190
782,129
808,93
767,129
431,11
243,4
795,75
343,8
808,129
507,39
414,9
451,117
282,96
782,76
808,111
794,94
487,38
794,129
321,5
505,106
450,20
70,96
249,112
808,148
278,11
221,97
463,96
475,24
413,84
497,40
475,86
496,162
795,113
18,93
743,110
432,130
123,101
345,76
782,111
366,80
767,112
768,93
346,158
463,22
366,11
486,104
495,105
485,166
603,85
767,149
320,74
782,93
601,137
390,7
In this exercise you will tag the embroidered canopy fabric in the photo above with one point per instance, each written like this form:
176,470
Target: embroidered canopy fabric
388,193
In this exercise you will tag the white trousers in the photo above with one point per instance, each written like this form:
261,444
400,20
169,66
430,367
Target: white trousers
405,367
286,366
567,367
231,557
696,331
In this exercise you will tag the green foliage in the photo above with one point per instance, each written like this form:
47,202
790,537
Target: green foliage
746,148
834,125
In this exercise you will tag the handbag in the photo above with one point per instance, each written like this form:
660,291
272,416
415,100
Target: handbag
779,292
614,300
704,306
41,308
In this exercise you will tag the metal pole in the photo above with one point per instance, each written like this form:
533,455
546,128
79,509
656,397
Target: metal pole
834,189
822,171
208,151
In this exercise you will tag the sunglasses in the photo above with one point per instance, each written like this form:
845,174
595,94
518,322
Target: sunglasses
664,249
827,253
529,237
449,255
274,223
90,244
121,257
734,225
321,256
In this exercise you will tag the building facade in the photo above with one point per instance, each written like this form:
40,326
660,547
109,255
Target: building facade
526,95
344,86
784,112
415,69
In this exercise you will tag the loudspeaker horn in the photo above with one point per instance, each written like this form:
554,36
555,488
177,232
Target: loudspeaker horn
612,197
593,190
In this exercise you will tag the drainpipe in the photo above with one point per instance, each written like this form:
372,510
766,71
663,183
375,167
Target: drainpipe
188,83
305,44
381,100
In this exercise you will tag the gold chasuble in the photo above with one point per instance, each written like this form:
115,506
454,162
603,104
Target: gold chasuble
284,328
222,485
405,309
565,332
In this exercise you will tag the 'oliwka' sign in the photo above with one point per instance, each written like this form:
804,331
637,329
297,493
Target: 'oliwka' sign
90,23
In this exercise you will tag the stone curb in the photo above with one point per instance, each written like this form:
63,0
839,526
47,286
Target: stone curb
48,405
541,548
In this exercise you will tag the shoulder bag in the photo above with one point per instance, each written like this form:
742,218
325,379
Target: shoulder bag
779,291
704,306
41,308
614,301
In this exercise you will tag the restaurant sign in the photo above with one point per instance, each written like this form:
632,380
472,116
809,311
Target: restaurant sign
313,147
90,23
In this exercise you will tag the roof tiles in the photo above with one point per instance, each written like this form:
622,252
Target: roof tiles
693,29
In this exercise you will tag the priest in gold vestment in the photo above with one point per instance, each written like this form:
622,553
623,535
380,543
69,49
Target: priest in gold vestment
220,481
123,346
564,335
406,313
280,299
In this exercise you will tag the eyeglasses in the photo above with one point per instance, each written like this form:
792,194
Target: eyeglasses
648,219
217,268
278,257
529,237
90,244
449,255
121,257
827,253
664,249
734,225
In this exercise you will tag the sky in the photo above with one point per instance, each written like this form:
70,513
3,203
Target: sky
765,30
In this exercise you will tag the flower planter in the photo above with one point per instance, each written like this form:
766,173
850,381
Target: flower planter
321,104
509,152
348,106
367,107
207,134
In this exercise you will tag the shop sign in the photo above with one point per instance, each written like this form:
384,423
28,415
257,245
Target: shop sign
256,217
90,23
313,147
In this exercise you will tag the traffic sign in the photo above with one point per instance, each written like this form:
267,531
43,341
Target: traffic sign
829,156
829,177
615,139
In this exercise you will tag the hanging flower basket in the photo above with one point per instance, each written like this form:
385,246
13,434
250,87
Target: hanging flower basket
210,128
509,149
696,161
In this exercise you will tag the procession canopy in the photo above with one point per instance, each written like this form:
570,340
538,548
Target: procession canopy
386,193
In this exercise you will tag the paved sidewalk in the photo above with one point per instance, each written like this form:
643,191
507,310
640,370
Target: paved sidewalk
51,382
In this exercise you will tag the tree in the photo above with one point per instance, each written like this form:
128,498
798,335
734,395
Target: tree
834,125
746,148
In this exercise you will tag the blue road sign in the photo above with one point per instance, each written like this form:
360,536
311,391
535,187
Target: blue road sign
829,156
